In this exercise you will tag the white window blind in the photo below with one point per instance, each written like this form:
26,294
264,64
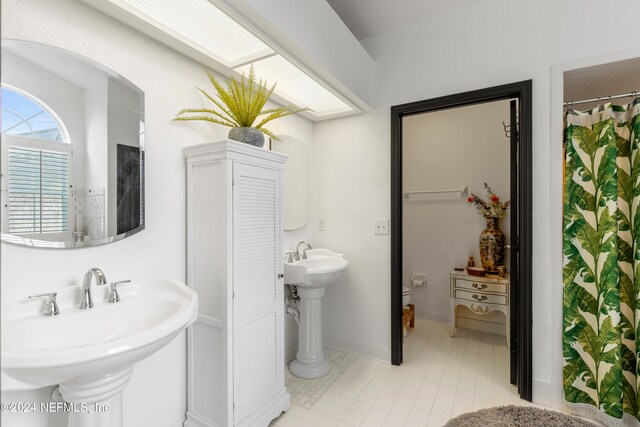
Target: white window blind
38,191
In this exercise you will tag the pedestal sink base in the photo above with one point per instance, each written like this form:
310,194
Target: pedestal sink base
310,361
97,402
310,371
111,417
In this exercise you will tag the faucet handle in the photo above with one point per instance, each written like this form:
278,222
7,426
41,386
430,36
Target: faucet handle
51,309
290,257
113,292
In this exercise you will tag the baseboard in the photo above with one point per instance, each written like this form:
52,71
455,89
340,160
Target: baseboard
378,354
557,393
541,391
180,423
195,420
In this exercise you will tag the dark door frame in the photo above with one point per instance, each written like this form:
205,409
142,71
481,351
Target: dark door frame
521,301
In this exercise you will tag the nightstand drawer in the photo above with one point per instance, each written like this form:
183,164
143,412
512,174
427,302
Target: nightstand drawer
481,297
497,288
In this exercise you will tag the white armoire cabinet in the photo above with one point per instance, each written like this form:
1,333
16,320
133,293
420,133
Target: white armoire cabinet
234,261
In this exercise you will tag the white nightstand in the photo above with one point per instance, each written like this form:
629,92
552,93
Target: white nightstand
481,295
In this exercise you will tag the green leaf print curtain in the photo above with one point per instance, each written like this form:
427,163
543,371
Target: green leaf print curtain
602,259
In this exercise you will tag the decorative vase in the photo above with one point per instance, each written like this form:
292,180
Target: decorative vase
471,262
492,246
251,136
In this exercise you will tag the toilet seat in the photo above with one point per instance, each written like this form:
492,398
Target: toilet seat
406,296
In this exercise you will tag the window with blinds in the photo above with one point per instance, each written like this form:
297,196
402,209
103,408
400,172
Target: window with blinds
38,187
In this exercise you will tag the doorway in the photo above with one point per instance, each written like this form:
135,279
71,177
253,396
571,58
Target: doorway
520,318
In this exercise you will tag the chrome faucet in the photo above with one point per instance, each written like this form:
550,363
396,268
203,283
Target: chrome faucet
87,301
304,252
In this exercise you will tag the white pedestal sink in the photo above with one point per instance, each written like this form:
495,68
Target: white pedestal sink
91,353
311,276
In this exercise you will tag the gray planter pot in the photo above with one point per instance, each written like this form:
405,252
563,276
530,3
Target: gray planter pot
251,136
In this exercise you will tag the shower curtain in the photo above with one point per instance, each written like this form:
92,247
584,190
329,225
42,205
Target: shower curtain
601,335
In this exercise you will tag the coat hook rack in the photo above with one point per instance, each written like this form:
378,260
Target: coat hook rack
507,129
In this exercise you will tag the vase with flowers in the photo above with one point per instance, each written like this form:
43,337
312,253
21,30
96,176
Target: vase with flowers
492,240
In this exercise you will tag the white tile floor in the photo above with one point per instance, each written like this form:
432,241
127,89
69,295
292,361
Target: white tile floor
440,378
306,393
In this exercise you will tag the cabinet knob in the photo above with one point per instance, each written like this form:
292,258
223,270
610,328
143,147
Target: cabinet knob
280,276
479,297
479,285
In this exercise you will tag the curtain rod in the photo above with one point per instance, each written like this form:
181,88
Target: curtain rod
608,98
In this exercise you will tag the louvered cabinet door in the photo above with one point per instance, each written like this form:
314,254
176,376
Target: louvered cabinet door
258,292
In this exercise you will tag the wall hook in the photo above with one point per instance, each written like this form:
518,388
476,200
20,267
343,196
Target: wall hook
507,129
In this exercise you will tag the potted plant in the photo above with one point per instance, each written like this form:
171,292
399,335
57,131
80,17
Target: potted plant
491,239
240,104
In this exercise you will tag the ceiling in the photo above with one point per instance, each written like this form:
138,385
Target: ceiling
366,18
600,81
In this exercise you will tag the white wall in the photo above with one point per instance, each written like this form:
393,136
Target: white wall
492,43
156,395
444,150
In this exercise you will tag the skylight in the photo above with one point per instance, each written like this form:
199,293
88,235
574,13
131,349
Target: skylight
205,28
297,87
203,25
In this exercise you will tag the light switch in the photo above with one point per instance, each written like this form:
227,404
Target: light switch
380,226
322,224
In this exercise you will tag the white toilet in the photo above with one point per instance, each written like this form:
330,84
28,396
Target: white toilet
406,296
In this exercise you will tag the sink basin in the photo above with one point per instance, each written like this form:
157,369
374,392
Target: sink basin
321,267
42,351
90,353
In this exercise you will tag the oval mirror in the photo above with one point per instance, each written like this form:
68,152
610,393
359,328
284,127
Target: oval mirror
72,149
296,181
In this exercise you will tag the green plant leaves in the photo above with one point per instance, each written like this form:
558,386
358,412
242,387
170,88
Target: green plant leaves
240,104
601,305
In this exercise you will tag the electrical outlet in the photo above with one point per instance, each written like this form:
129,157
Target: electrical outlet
380,226
322,224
